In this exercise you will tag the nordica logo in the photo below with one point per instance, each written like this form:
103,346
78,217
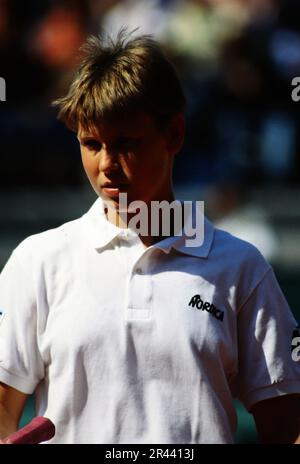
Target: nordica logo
197,302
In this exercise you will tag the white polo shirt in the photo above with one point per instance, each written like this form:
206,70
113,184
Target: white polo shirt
127,344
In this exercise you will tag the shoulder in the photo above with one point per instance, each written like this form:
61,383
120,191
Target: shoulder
239,264
50,243
230,247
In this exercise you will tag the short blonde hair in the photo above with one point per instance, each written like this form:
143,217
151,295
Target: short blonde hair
115,77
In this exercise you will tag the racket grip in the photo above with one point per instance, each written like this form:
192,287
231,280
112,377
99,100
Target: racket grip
38,430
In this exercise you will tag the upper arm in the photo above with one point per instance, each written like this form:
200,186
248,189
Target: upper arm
12,400
22,364
265,333
12,403
278,419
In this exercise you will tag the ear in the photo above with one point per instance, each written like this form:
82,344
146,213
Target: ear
176,133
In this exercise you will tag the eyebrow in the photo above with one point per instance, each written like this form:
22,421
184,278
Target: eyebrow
83,137
86,136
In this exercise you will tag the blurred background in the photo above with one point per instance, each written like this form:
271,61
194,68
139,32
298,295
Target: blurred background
236,59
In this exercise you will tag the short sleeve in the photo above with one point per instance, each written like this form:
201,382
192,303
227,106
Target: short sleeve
21,365
266,327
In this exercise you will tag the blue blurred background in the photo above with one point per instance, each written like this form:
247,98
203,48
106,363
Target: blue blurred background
236,59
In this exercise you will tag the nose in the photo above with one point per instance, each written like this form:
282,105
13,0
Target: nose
108,160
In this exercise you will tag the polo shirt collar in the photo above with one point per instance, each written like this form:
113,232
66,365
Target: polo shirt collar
102,232
179,243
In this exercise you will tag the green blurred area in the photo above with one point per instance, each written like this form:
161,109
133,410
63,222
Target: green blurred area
28,413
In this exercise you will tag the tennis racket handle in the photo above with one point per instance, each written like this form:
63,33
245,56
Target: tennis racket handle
38,430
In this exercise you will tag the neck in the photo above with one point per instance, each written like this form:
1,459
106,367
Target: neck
142,221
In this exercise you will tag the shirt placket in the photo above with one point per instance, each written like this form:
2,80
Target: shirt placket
139,292
139,282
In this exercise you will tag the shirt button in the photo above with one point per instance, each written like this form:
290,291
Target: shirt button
139,271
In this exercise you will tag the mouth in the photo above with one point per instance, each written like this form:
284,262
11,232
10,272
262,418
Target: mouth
113,189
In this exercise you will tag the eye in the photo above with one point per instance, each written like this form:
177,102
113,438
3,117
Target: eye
92,144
